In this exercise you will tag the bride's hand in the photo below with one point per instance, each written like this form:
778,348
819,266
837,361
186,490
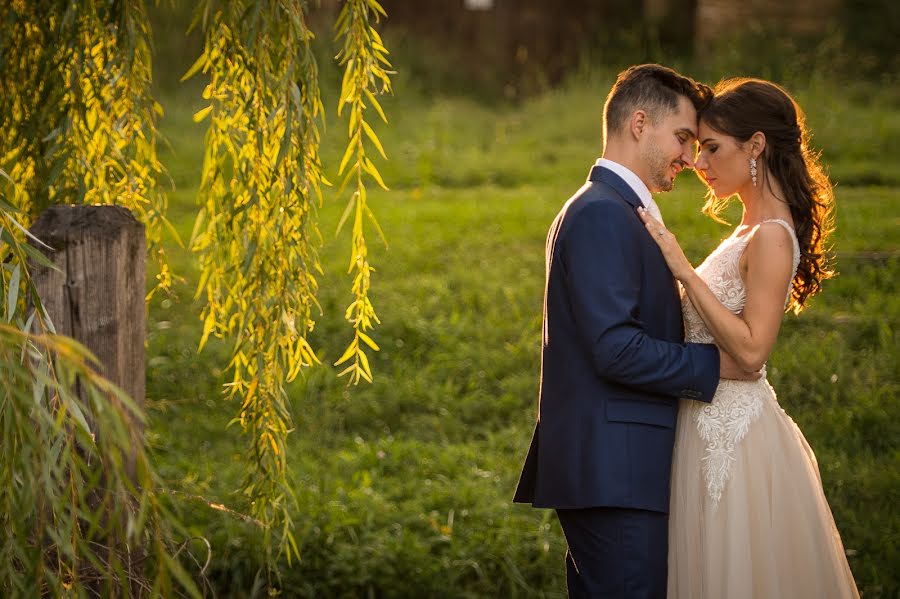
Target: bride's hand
729,369
667,243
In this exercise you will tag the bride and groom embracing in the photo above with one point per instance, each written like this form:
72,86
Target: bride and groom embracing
659,442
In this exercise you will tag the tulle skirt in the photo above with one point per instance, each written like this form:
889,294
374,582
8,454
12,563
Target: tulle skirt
770,533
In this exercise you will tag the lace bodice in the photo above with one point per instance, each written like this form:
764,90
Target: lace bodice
721,272
724,422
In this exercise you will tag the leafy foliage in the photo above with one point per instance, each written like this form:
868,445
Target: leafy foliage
364,59
78,119
80,505
256,233
76,100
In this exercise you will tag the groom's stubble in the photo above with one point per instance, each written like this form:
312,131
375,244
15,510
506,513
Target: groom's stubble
657,168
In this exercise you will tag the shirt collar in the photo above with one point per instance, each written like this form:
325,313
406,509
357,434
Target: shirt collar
634,182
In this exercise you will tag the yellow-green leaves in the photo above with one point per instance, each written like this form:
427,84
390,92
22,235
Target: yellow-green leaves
78,119
365,63
71,504
256,235
202,114
79,126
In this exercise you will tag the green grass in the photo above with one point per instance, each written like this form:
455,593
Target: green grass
404,485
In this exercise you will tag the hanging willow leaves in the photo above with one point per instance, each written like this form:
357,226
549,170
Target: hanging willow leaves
78,119
365,63
256,233
79,126
80,505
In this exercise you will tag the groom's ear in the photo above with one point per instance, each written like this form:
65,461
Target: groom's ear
637,123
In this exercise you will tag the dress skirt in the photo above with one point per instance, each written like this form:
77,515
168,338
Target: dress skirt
748,516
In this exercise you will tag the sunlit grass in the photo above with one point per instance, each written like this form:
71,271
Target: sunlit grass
404,485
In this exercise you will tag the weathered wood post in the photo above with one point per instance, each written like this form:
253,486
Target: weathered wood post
97,296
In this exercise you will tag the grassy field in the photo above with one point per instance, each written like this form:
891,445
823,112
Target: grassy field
405,485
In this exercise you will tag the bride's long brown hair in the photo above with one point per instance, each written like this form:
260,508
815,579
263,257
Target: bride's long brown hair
740,108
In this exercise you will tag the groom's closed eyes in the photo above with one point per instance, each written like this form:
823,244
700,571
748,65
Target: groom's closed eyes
685,135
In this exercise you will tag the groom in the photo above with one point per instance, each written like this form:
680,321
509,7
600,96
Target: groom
614,364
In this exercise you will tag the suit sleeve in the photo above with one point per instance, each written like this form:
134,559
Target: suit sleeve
603,274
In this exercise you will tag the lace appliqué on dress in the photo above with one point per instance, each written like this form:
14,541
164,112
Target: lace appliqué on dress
725,421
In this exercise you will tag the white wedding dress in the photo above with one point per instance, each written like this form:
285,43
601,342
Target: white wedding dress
748,518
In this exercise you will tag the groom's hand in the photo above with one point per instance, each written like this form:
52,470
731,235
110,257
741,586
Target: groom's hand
728,369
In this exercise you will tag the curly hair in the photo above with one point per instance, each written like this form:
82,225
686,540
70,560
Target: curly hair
740,108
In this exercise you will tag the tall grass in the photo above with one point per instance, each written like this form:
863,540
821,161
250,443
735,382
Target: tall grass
406,483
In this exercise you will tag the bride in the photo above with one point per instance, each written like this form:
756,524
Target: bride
748,517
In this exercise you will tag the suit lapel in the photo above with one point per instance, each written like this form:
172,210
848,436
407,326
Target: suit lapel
651,252
601,174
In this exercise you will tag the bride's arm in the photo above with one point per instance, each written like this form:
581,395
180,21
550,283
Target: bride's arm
748,338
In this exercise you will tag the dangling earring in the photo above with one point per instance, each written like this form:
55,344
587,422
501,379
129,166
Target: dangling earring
753,170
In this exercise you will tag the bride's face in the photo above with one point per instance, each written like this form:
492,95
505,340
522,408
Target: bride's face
722,162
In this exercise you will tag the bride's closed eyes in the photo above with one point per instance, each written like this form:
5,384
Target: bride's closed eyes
708,146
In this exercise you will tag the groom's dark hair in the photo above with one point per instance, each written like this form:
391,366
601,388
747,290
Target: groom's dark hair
652,88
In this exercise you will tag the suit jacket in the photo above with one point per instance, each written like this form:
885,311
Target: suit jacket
613,362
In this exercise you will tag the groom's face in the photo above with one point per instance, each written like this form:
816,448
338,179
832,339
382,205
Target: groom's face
668,146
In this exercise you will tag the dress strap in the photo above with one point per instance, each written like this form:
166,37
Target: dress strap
793,233
783,223
790,229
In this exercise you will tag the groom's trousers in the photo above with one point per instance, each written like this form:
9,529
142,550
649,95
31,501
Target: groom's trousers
615,553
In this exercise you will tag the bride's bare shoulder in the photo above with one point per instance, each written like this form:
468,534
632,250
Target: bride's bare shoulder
770,248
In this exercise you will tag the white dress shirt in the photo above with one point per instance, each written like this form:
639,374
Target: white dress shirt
635,183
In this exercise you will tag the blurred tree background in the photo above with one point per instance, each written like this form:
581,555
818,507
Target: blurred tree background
514,48
522,47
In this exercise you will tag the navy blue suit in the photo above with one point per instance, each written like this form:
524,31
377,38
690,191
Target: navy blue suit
613,366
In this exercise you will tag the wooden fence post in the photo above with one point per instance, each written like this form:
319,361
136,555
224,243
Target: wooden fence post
97,296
